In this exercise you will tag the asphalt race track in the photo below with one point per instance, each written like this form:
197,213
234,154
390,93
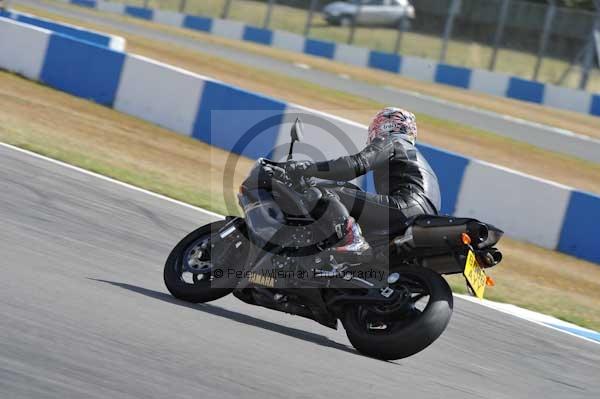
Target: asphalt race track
84,314
542,136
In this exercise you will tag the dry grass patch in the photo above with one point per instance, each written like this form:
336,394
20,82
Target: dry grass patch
126,148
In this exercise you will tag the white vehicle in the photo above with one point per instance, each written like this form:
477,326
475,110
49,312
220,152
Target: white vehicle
368,12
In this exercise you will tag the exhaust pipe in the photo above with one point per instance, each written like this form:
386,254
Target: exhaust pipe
492,257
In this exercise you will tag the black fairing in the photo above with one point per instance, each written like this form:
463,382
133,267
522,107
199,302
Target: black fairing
268,205
258,178
264,217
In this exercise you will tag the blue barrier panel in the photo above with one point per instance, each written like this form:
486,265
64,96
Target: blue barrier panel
526,90
235,132
450,169
139,12
80,34
368,183
319,48
580,235
386,61
82,69
198,23
258,35
453,75
84,3
5,13
595,107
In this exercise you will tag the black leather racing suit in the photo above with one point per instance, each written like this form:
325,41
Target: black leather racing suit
405,183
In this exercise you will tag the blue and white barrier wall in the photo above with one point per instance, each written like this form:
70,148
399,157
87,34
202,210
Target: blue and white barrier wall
102,39
427,70
527,208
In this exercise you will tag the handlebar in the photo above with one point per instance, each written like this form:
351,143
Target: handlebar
302,183
279,169
266,161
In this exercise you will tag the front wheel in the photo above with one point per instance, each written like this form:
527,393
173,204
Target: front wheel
411,324
188,269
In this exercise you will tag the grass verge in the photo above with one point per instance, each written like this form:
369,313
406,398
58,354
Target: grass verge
85,134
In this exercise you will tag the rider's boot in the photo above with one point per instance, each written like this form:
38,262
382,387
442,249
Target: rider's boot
353,246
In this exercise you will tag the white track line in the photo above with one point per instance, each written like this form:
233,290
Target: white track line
524,314
534,317
301,65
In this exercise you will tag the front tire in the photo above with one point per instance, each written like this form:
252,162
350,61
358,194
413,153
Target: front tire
403,338
196,289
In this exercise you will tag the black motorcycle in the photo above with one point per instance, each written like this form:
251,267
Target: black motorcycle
277,257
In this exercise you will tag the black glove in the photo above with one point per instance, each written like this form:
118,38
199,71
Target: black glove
295,169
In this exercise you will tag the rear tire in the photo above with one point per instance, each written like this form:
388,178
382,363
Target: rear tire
199,291
411,338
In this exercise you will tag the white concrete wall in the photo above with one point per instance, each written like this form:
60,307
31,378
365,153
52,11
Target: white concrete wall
170,18
525,207
159,93
489,82
418,68
288,41
358,56
229,29
117,43
107,6
22,48
571,99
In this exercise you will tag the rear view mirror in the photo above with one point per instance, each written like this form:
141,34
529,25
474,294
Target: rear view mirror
296,135
297,131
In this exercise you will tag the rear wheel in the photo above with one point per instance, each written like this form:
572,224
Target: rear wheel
415,320
188,269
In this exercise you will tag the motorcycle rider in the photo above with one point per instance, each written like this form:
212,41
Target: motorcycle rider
405,183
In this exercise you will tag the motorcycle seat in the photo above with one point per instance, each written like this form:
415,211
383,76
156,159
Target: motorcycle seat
384,231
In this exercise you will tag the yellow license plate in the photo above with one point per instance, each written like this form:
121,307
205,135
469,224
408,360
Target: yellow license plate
475,275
